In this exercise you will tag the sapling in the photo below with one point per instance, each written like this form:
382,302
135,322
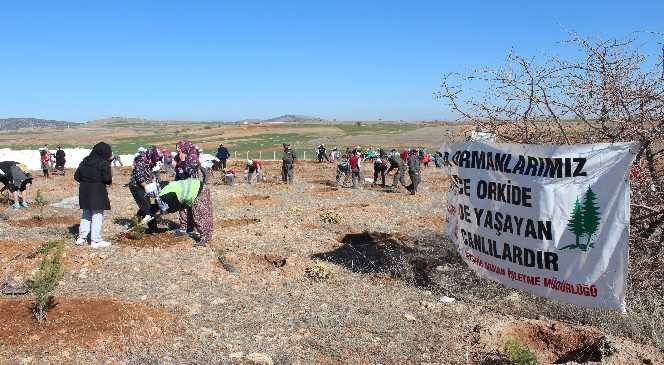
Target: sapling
46,280
519,355
41,202
137,230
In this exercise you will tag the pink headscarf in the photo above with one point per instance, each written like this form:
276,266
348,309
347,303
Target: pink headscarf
190,150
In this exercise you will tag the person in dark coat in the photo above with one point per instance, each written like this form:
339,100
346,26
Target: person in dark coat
94,176
222,155
60,160
287,162
413,171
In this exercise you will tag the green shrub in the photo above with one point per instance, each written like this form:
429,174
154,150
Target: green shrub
41,202
137,229
46,280
519,354
46,247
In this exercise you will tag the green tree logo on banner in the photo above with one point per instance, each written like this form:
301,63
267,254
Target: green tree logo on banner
584,221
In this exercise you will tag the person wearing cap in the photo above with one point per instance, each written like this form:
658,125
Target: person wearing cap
288,160
254,167
222,154
396,163
413,171
17,179
188,195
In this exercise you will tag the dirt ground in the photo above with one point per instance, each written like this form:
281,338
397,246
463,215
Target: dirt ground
162,300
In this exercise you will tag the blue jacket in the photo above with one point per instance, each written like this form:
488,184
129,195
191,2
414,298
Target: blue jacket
222,153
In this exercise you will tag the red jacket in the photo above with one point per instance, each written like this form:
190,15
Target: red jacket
404,155
354,162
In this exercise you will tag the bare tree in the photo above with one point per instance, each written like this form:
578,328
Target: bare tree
611,92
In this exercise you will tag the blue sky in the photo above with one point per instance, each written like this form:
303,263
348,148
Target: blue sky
221,60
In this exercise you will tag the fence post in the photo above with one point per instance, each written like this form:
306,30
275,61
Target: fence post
247,155
260,155
305,156
235,158
274,155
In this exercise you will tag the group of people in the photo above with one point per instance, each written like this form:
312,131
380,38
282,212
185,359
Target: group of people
52,161
188,193
408,161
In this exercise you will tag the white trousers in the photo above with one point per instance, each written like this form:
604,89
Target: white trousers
91,221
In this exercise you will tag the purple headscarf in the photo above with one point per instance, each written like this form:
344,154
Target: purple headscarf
188,167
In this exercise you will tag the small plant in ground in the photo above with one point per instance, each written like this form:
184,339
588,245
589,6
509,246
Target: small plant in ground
46,247
46,280
137,230
331,217
519,355
40,202
320,272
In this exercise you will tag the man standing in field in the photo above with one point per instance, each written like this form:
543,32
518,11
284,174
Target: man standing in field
413,171
222,155
355,163
322,153
288,160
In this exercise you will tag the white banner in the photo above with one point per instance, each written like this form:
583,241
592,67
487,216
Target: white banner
551,220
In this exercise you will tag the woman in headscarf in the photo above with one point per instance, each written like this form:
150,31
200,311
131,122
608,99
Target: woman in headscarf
187,166
142,183
193,195
94,176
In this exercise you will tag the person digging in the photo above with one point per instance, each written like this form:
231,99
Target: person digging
142,185
188,194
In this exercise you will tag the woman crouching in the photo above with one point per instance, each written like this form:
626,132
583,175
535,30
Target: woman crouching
188,195
142,184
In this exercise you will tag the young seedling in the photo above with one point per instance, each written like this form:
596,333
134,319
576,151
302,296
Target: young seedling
519,354
46,280
40,202
137,230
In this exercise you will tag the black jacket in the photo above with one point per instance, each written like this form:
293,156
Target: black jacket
93,175
60,157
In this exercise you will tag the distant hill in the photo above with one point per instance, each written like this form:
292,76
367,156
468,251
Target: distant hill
287,118
12,124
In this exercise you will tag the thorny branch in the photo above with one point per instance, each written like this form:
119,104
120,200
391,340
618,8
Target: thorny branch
610,93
